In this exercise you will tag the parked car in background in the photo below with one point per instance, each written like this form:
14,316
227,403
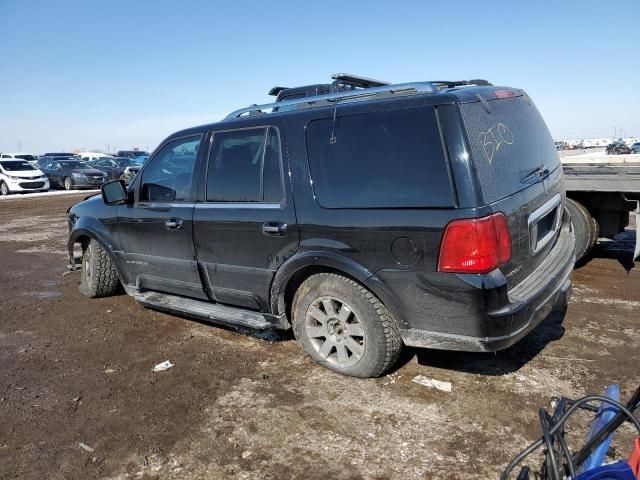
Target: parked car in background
618,148
430,214
117,168
71,174
90,156
635,147
29,157
57,154
18,175
140,154
44,159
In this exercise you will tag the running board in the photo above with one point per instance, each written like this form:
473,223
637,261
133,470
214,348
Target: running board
209,312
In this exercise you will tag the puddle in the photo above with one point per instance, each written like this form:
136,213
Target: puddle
44,295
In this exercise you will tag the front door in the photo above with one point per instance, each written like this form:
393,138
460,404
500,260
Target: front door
246,226
156,231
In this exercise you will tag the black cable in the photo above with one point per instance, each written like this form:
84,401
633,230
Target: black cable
535,445
551,455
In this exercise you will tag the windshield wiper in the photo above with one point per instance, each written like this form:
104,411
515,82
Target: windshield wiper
539,172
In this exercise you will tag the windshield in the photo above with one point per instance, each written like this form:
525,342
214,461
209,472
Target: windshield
30,158
74,164
17,166
128,162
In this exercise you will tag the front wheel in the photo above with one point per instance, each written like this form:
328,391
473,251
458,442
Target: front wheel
343,326
99,277
4,189
68,184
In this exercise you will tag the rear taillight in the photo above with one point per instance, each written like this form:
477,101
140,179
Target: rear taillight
475,245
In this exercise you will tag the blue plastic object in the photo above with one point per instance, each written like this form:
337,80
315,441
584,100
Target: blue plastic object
615,471
605,413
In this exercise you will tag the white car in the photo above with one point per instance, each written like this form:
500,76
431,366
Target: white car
29,157
21,176
89,156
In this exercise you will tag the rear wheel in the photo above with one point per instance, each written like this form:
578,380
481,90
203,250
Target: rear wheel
99,277
4,189
68,184
585,227
343,326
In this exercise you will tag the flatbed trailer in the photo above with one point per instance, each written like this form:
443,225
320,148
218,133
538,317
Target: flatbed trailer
602,196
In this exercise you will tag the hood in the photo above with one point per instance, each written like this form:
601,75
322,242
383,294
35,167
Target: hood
24,173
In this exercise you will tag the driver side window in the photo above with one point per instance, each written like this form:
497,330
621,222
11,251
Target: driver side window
168,176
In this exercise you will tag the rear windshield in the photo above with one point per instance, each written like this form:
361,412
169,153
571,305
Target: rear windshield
385,159
507,144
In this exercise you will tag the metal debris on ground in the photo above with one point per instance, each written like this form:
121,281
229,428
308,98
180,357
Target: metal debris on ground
86,447
166,365
432,383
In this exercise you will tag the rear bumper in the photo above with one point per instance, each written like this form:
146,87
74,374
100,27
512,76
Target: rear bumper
510,315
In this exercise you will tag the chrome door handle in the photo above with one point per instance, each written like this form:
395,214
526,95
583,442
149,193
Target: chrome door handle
173,224
274,228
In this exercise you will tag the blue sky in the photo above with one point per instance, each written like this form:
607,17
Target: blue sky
77,74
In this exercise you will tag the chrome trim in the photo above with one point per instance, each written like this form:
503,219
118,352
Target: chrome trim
413,87
209,205
553,203
238,205
165,205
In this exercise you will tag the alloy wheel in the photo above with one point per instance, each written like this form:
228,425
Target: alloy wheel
335,331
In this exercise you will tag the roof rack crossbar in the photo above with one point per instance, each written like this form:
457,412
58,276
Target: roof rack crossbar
319,100
460,83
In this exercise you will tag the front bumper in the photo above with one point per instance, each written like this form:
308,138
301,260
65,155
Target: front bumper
547,288
84,182
28,185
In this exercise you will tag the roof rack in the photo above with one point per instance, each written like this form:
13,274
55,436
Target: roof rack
460,83
357,88
357,81
385,91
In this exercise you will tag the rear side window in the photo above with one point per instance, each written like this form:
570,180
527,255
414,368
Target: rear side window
507,144
245,166
379,160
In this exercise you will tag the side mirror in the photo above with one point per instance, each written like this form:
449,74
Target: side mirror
113,192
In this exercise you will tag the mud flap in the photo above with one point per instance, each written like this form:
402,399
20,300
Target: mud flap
636,252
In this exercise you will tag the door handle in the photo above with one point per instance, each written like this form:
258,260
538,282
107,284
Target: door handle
274,228
173,224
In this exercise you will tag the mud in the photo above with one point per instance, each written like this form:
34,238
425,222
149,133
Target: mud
75,370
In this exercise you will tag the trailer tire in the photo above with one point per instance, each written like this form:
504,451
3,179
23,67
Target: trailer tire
585,228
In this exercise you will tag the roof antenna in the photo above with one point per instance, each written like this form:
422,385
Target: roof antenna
333,138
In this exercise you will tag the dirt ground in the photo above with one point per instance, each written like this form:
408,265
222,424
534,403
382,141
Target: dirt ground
75,370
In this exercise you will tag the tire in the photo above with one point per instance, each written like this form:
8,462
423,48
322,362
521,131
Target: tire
585,227
344,327
99,277
68,183
4,189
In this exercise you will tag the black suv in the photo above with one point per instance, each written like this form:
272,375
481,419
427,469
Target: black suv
429,214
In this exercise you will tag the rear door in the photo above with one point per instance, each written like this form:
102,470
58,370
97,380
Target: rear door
519,172
246,226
